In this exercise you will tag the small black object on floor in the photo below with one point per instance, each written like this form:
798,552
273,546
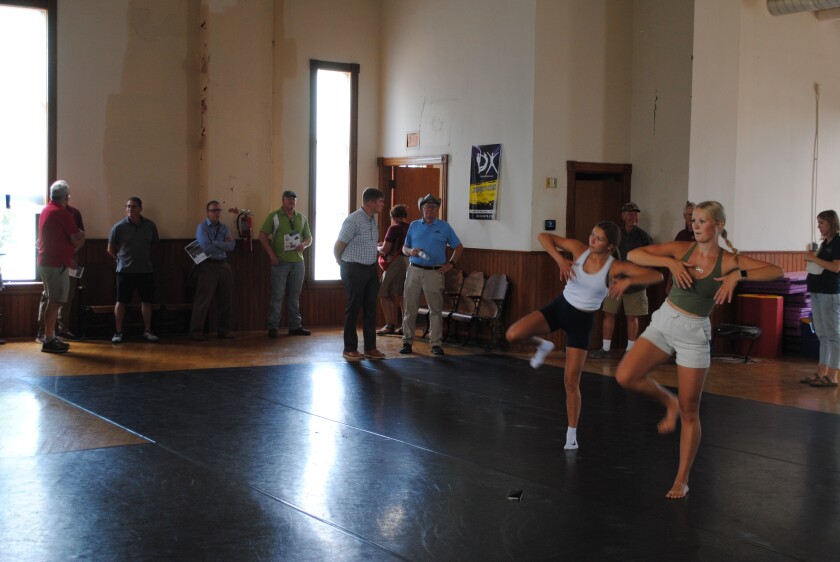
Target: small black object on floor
422,459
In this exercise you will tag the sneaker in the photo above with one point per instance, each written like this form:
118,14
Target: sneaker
385,330
272,332
437,350
299,332
40,338
149,336
600,354
374,355
398,331
67,335
54,346
353,355
541,353
406,349
117,337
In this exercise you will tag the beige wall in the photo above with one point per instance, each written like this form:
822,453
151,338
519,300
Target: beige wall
127,89
552,80
131,78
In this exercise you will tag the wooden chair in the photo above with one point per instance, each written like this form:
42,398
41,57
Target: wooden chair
491,309
468,301
452,283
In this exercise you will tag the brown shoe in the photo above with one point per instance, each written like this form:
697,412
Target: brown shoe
353,355
374,354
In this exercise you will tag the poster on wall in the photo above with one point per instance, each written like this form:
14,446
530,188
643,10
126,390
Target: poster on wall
484,181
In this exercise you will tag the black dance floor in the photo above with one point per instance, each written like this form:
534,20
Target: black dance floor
454,458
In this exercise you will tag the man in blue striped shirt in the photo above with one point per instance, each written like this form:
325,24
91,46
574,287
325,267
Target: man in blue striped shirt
356,253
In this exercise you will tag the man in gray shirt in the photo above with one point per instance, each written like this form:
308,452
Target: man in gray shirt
130,243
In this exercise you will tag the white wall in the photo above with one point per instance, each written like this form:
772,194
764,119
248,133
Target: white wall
753,119
462,73
781,60
661,112
582,108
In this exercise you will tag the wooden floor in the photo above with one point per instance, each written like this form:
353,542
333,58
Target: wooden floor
33,422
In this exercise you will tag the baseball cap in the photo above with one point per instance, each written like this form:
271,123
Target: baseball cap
289,194
630,207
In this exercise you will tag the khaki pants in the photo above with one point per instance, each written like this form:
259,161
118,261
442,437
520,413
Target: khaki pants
431,283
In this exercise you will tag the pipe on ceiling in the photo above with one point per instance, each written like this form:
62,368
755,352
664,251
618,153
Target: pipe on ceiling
783,7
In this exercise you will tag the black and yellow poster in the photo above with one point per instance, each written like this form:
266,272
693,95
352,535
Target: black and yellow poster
484,181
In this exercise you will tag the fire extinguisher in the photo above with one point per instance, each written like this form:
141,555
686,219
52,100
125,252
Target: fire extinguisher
244,224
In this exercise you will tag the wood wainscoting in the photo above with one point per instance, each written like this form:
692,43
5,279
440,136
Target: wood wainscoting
533,277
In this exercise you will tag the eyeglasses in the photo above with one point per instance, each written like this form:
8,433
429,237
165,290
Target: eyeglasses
132,206
214,210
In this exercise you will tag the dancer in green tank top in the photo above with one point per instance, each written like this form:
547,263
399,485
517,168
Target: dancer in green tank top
704,274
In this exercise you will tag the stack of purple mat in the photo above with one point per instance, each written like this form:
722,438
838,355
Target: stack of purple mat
793,289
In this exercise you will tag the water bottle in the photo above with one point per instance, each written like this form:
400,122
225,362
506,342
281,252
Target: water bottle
422,255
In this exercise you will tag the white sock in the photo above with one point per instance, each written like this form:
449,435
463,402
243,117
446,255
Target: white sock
630,344
571,438
544,347
607,345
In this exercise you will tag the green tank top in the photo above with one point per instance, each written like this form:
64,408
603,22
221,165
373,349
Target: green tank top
699,299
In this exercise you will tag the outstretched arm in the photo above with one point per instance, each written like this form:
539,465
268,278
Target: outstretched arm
665,255
551,243
624,275
743,268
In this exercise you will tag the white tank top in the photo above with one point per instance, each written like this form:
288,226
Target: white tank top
584,291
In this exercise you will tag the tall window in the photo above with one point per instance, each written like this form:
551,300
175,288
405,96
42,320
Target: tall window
332,165
24,132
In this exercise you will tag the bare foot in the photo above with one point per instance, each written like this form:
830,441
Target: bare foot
677,491
669,423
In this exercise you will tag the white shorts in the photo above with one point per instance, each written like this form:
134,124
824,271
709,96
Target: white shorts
690,336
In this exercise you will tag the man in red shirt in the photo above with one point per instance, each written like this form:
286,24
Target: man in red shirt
58,239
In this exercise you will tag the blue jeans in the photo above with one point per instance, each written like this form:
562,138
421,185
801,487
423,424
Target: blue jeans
826,311
286,278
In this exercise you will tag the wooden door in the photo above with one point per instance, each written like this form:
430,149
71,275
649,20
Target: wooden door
405,180
596,193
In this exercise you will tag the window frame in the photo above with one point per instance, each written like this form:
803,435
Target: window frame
353,69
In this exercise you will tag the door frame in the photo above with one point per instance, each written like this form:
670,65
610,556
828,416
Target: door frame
621,172
386,175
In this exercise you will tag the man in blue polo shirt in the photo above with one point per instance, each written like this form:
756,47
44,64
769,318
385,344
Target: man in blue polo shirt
425,245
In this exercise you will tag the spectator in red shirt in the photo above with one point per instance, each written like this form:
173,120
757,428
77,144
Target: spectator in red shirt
65,311
58,239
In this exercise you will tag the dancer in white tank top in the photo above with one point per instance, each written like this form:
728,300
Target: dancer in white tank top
590,275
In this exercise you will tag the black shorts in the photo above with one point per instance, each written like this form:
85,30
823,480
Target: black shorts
127,283
577,324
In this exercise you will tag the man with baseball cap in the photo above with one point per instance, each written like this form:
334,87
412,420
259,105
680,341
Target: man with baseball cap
284,235
425,245
634,301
